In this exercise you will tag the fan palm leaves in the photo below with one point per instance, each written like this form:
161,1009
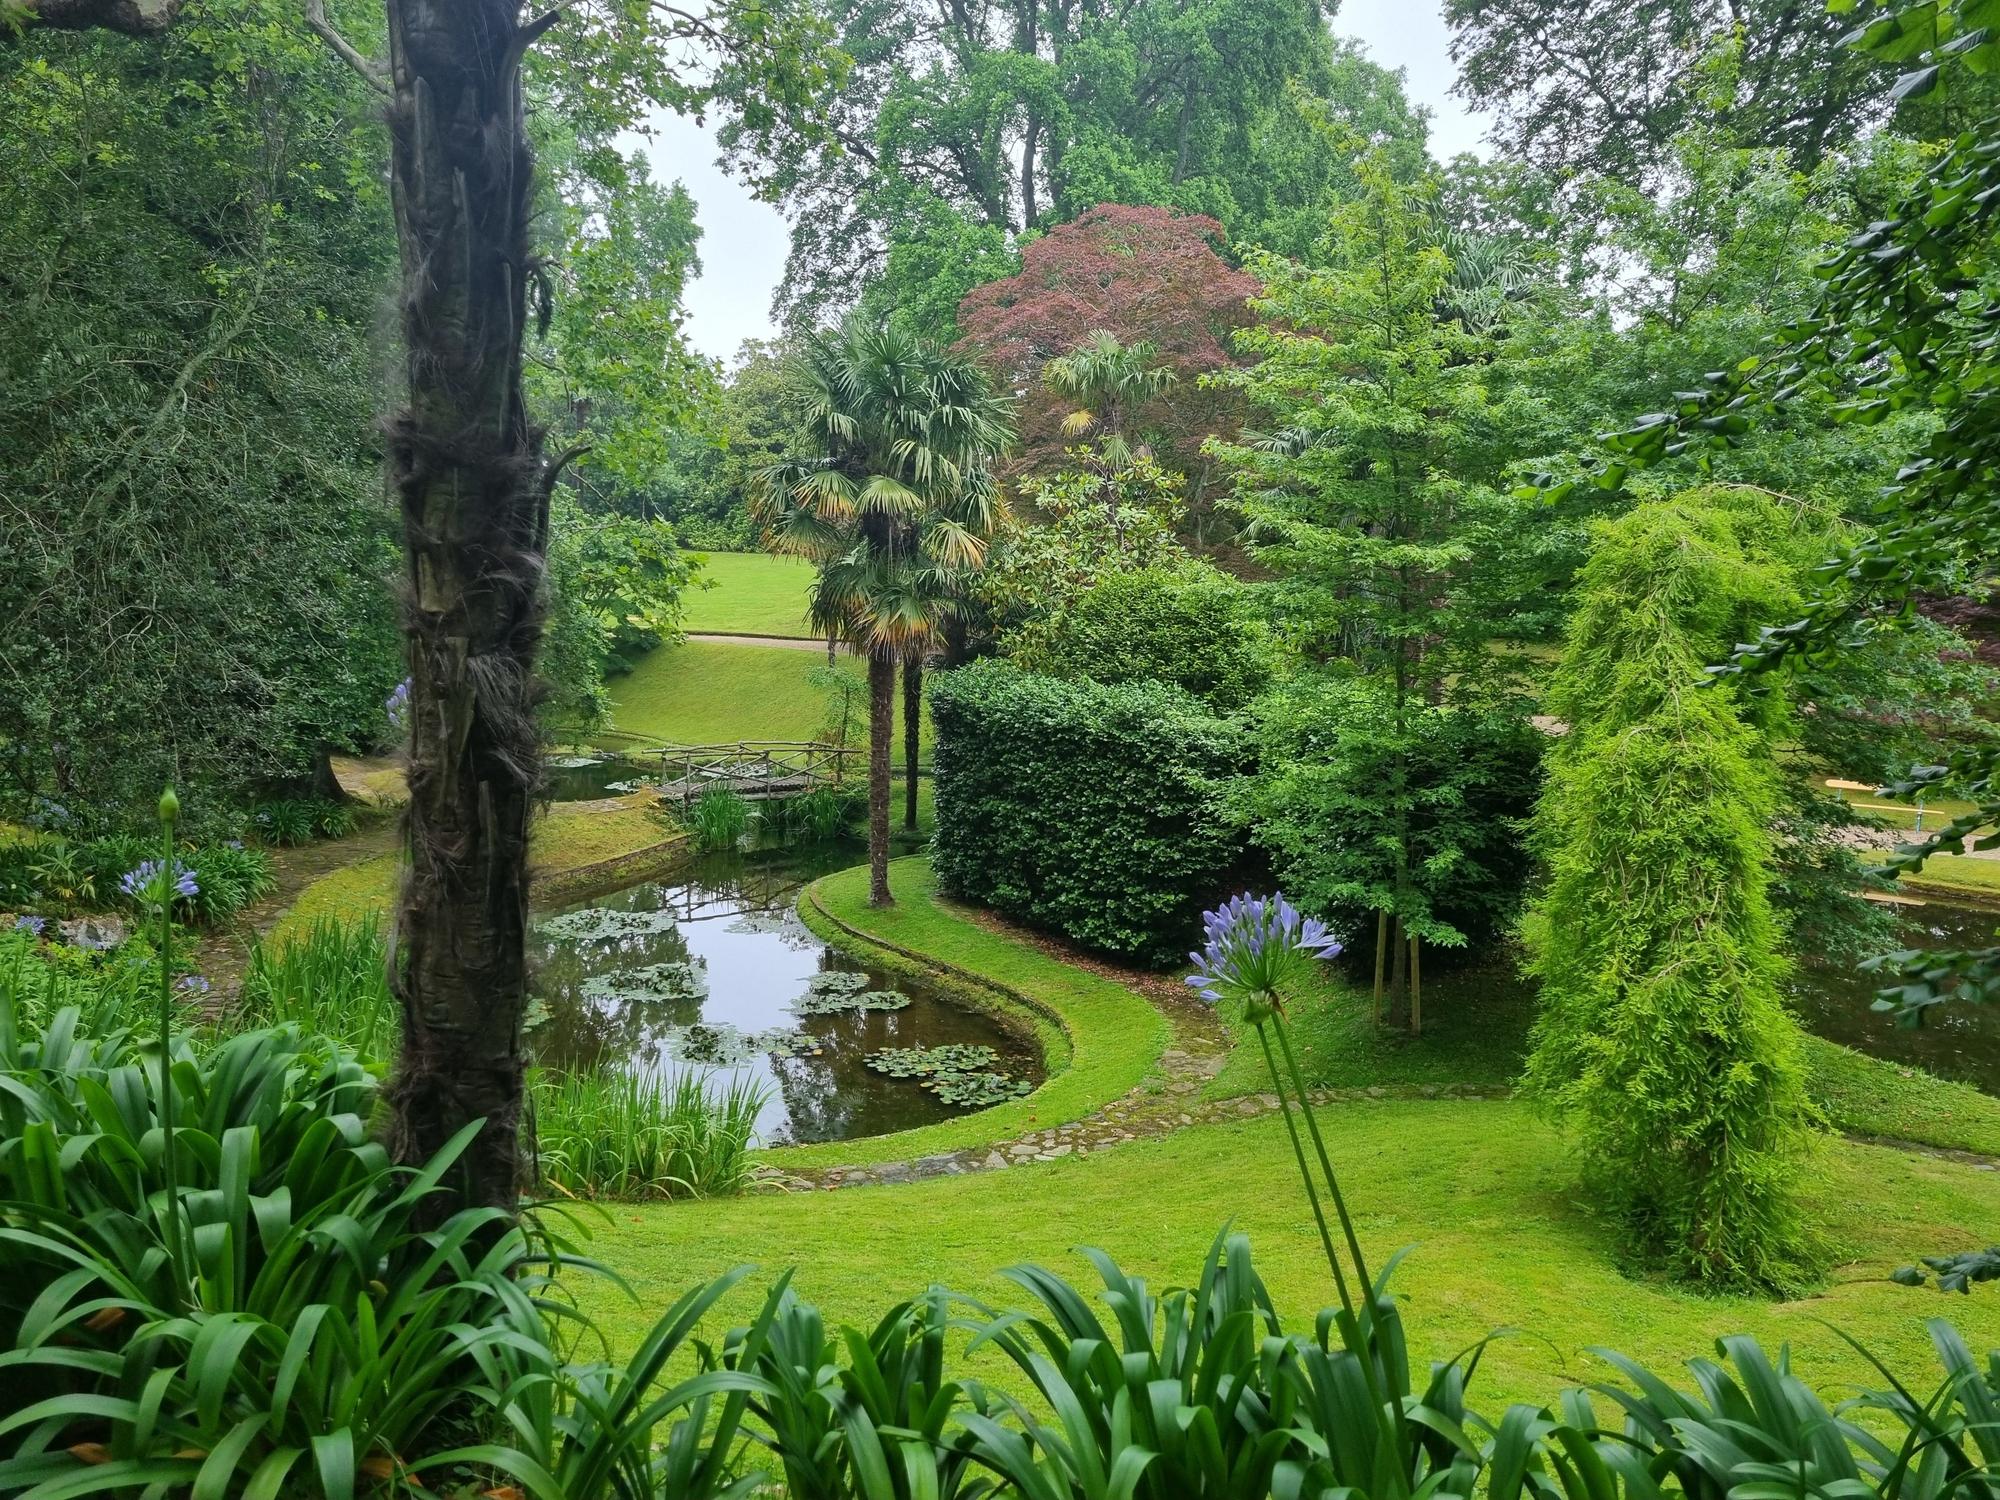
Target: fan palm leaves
894,505
1107,378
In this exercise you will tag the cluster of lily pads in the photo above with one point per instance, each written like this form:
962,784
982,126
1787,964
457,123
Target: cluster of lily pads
960,1073
836,992
605,924
674,982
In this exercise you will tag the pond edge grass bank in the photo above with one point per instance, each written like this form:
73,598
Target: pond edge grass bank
1106,1040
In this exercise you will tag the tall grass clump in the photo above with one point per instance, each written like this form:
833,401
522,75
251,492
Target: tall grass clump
1663,1041
333,982
820,815
609,1134
718,818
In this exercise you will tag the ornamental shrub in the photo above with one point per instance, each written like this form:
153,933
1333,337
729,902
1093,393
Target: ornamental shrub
1188,626
1663,1041
1094,810
1326,803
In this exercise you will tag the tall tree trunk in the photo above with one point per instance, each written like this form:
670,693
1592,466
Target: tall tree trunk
881,747
467,465
913,720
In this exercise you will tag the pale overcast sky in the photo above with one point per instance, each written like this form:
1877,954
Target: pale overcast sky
743,242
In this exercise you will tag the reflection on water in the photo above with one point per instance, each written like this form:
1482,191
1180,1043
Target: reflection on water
586,778
1955,1041
706,968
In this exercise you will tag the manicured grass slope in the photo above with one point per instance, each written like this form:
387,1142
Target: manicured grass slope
1476,1031
1114,1036
564,840
754,594
1486,1194
715,692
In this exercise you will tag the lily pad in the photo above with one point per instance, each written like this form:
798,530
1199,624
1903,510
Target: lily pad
978,1090
923,1062
667,983
836,981
960,1074
841,1002
604,924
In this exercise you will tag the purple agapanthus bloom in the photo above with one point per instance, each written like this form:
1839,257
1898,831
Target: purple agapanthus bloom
194,984
143,884
398,705
1254,944
31,924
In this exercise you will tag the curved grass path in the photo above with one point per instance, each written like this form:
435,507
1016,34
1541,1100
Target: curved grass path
1103,1042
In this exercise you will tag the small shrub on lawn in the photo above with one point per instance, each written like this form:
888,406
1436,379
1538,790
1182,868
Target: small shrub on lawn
1094,810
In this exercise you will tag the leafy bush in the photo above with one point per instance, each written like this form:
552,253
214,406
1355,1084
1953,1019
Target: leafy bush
333,982
1663,1038
229,877
1329,780
287,821
19,885
607,1134
1189,627
1094,810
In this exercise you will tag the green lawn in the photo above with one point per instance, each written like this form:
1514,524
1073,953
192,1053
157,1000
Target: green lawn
1486,1195
565,840
1110,1037
715,692
754,594
1476,1031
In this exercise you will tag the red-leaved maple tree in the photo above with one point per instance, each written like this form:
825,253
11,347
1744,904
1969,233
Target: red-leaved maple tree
1144,274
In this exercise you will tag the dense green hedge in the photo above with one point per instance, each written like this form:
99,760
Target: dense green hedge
1093,810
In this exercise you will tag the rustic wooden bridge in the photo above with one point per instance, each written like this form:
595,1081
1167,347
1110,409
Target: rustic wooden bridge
756,770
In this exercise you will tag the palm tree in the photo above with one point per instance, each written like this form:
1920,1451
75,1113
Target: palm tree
895,505
1107,379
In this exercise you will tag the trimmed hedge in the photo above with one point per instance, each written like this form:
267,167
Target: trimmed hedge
1093,810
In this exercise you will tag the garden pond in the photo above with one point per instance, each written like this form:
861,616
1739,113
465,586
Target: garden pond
1960,1042
583,777
711,968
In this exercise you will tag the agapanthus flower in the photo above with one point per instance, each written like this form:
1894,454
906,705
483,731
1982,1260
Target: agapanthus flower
1253,945
194,984
31,924
145,883
398,705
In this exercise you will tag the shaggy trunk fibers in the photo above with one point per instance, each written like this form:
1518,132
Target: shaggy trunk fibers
474,487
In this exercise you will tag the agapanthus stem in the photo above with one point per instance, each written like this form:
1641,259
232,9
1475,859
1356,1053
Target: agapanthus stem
1325,1162
175,1267
1305,1171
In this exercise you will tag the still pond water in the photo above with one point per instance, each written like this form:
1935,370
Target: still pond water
1956,1041
711,968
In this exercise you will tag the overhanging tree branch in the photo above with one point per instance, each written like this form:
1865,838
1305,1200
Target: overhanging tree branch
371,72
144,18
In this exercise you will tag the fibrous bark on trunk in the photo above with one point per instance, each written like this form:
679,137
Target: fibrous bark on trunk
468,467
881,746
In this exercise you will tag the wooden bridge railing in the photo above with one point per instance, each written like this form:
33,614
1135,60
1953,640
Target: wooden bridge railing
751,768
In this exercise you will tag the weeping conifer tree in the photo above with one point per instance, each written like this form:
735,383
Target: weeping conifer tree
1663,1041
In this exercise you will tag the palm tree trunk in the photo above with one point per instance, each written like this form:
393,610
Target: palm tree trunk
881,747
913,718
474,489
